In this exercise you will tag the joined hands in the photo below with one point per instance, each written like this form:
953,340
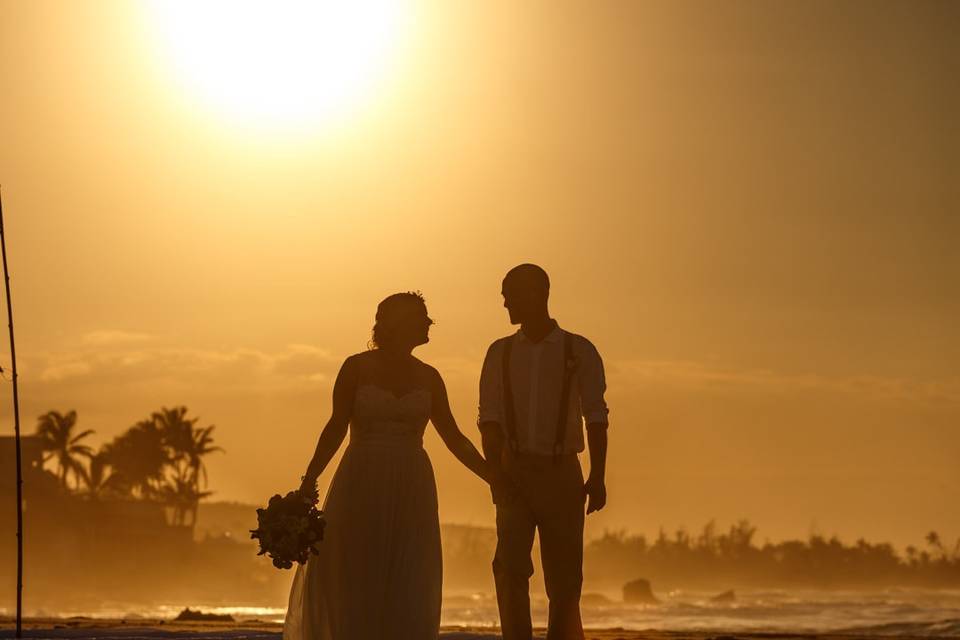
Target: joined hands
501,486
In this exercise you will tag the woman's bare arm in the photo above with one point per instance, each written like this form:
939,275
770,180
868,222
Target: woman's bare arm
446,425
335,430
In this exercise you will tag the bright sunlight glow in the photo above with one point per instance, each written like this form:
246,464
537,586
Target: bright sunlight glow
280,63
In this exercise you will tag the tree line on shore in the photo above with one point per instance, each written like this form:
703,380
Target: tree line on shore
733,557
160,458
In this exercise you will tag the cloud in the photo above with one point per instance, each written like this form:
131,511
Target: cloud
111,337
64,370
112,361
701,377
302,360
122,365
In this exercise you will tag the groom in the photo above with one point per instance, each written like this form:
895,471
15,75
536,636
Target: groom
537,387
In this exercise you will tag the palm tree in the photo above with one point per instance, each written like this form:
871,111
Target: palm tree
933,539
201,446
911,554
177,432
57,432
183,496
187,446
96,476
139,459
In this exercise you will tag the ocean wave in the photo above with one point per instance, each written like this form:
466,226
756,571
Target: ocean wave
939,628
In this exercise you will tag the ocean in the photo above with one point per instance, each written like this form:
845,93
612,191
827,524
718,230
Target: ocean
894,612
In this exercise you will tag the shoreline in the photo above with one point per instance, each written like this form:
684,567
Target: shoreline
131,629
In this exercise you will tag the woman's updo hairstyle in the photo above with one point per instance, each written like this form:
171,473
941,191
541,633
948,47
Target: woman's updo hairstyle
388,316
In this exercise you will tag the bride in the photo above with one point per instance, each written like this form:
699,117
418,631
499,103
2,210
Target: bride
379,570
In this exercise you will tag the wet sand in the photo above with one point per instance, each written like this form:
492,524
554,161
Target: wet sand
131,629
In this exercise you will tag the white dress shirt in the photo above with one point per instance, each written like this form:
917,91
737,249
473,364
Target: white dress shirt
536,377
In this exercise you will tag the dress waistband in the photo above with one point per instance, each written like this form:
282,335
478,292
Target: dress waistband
403,443
539,457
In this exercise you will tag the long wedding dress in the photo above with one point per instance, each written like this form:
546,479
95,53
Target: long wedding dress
379,571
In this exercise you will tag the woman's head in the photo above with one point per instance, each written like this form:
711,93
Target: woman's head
401,321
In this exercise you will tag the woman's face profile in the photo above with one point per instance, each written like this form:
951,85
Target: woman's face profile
413,324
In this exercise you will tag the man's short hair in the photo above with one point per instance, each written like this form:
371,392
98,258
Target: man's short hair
529,274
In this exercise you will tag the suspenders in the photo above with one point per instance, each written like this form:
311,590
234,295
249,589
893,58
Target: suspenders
509,415
568,366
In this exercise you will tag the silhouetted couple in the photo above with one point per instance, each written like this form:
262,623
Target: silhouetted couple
379,571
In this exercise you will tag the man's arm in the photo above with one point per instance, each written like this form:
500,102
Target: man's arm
595,486
489,421
593,384
492,439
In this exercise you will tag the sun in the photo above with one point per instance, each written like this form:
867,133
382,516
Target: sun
280,63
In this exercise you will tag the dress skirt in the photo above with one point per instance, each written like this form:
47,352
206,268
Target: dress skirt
379,572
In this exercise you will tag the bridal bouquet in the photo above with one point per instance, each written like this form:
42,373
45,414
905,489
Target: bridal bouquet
290,528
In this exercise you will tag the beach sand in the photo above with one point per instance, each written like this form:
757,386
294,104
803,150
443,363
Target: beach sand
90,628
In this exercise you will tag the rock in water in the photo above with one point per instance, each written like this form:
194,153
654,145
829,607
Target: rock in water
595,600
725,597
194,616
639,592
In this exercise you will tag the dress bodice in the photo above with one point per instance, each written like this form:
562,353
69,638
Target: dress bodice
382,418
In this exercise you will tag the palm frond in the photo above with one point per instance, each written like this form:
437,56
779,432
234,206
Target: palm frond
82,435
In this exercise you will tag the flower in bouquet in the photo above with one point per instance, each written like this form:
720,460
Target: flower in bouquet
289,528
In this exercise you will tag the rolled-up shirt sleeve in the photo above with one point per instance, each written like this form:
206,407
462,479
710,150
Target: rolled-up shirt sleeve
491,396
593,384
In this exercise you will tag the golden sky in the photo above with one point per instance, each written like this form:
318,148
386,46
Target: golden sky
751,209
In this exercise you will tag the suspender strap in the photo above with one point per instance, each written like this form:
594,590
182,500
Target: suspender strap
509,417
568,366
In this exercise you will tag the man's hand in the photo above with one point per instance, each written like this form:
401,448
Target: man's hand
596,492
501,486
594,487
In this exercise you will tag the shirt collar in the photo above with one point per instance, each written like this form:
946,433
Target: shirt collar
554,336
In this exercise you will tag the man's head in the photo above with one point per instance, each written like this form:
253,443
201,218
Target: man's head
525,290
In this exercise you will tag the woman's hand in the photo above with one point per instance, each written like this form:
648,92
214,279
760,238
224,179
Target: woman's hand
308,486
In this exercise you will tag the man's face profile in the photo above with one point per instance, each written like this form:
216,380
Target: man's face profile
522,296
